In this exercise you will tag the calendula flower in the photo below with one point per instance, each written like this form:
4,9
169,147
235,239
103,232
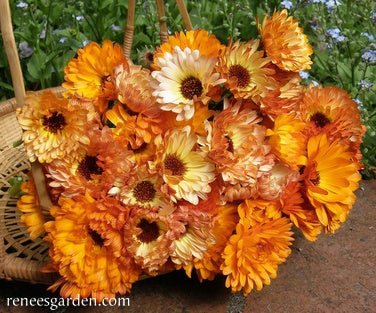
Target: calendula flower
285,42
253,253
237,147
288,140
148,237
300,212
184,78
331,110
132,84
145,191
330,178
225,220
105,163
286,97
85,261
271,185
245,69
194,240
184,167
90,74
198,39
136,132
32,215
52,129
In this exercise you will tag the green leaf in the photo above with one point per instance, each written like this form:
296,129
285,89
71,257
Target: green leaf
15,189
36,65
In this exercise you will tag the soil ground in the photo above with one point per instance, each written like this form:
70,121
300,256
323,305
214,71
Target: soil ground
335,274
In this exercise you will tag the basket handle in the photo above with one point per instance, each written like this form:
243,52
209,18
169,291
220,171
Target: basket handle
163,34
12,54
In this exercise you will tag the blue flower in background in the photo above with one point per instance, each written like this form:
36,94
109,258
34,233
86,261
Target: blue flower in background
304,74
22,5
365,85
369,36
25,50
335,34
369,56
286,4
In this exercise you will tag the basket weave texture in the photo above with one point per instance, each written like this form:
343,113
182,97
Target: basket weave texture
20,257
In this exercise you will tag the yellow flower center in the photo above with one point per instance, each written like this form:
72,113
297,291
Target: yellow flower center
191,87
320,119
241,74
54,122
89,166
144,191
173,164
150,231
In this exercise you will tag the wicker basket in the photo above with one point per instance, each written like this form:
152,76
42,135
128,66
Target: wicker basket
21,258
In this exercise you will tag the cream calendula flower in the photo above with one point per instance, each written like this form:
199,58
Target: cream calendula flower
194,240
184,78
185,169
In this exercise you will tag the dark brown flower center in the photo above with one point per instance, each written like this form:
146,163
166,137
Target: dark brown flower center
89,166
173,164
150,231
241,74
320,119
230,147
191,87
54,122
98,240
144,191
140,149
315,179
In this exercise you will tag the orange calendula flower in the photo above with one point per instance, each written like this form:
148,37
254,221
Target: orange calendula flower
137,132
52,128
287,95
199,39
90,74
245,69
83,254
285,42
301,213
132,84
330,178
104,164
253,253
32,215
331,110
236,145
287,139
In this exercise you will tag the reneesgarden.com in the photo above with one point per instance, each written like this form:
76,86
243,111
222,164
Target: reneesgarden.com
55,303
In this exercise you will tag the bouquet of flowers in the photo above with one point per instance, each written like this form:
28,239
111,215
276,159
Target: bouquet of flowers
204,160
